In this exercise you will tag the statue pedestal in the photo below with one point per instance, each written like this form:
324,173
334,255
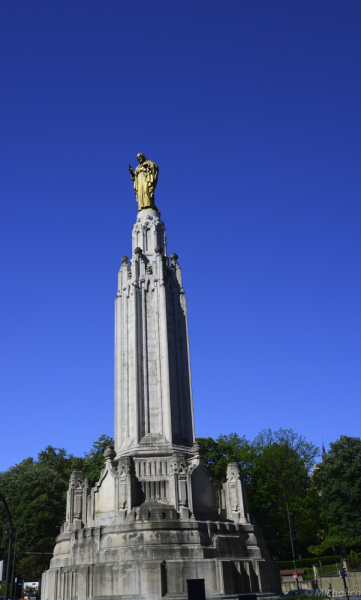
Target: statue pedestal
149,525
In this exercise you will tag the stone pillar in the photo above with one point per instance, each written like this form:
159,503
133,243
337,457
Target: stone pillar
179,483
316,571
77,501
121,405
236,495
126,483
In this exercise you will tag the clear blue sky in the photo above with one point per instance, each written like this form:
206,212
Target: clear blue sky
252,111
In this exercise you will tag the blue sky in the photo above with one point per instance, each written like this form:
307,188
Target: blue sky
252,112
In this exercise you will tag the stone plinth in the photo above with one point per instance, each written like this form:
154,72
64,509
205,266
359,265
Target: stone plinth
149,525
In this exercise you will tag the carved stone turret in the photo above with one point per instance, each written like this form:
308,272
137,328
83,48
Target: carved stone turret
77,507
236,494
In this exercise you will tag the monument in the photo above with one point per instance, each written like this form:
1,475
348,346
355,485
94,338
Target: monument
156,518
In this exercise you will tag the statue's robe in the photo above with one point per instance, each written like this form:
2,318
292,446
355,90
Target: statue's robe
145,182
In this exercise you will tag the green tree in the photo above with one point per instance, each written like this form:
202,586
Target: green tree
35,495
276,467
94,461
280,473
338,479
329,541
354,559
38,560
60,461
226,448
64,464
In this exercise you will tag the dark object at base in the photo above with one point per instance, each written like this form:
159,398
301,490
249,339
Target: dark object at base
248,597
196,589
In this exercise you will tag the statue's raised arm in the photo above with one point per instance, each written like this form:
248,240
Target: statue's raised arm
145,180
132,174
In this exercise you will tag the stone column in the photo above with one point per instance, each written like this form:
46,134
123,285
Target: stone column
236,495
77,501
121,405
316,571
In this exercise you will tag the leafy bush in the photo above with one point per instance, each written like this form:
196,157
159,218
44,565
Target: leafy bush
307,562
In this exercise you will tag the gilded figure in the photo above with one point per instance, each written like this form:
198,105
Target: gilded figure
145,179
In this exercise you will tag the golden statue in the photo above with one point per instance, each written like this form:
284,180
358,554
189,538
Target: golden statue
145,180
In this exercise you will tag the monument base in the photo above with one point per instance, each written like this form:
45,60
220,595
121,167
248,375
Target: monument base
153,556
149,525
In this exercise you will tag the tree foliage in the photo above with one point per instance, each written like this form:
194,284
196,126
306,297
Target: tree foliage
331,541
280,476
61,462
226,448
38,560
64,464
94,461
276,468
35,491
35,495
338,479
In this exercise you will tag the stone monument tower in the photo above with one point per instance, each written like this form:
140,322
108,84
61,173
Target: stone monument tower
156,518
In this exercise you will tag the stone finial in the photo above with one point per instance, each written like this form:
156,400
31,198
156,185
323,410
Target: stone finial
138,251
158,250
76,478
197,448
124,260
233,471
76,474
109,453
174,257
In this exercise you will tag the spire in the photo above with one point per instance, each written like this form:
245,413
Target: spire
323,448
153,390
148,233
